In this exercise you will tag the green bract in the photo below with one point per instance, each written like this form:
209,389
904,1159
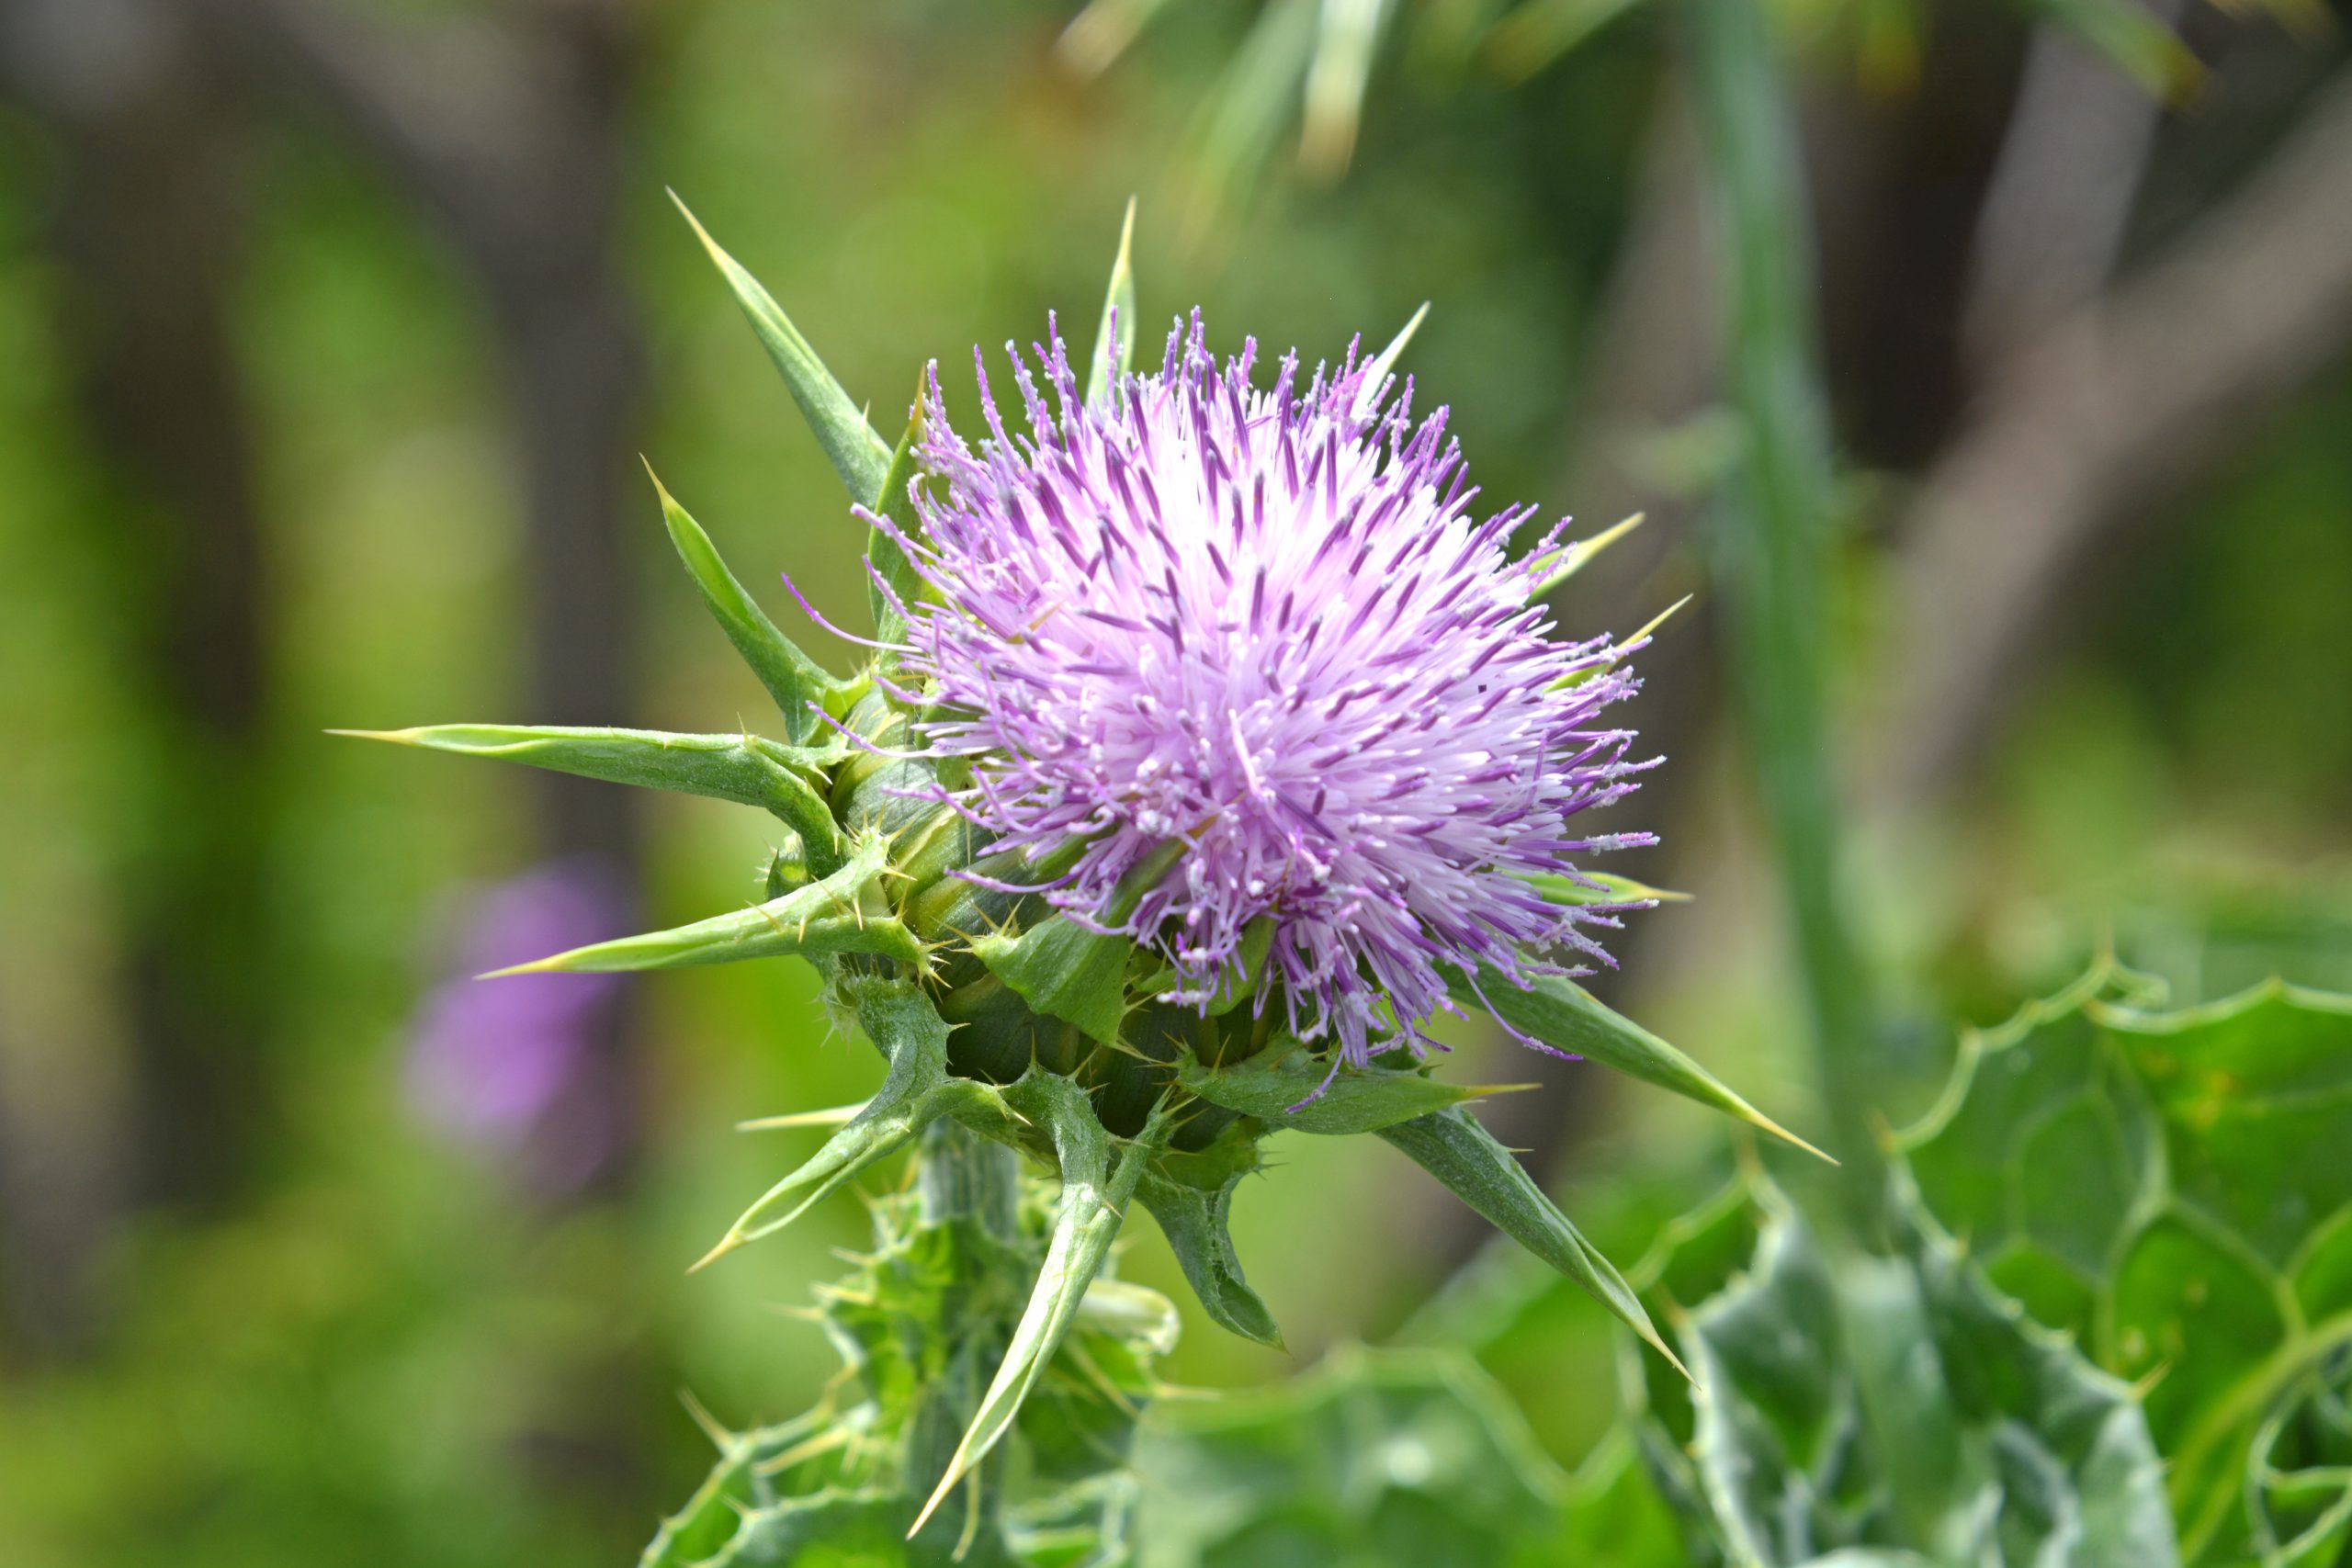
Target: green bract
999,1017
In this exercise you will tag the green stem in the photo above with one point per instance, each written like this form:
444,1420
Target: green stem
965,1180
961,1176
1775,508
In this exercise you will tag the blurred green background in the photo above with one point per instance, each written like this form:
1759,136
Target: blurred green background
330,333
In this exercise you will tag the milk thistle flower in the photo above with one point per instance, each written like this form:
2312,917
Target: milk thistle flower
1265,624
1198,693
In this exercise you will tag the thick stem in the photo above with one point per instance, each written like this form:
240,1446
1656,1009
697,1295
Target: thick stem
1770,536
961,1176
962,1179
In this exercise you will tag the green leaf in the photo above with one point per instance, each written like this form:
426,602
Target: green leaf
2300,1502
1347,34
1903,1405
1376,1459
858,455
740,768
798,682
917,1092
1776,1426
1095,1190
836,1530
1615,1515
1064,970
1098,35
2172,1189
1450,1146
1190,1197
824,917
1253,101
692,1536
1280,1085
1115,340
1564,1016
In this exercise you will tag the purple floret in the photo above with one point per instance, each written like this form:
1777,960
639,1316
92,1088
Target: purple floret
1264,623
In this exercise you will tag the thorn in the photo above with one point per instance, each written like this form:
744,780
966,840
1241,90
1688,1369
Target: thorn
537,966
946,1483
720,1437
831,1116
397,737
669,502
823,1442
695,224
1657,621
727,1244
1585,549
1480,1091
1768,1124
1658,1342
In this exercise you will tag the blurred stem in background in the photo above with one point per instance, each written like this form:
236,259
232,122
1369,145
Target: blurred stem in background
145,231
1774,513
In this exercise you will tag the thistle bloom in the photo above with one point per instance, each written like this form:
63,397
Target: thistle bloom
1264,625
1237,673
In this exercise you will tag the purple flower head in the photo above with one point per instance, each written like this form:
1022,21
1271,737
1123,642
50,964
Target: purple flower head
1265,626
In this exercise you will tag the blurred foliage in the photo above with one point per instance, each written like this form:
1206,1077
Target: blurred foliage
1306,69
1374,1458
2144,1327
2171,1189
1894,1406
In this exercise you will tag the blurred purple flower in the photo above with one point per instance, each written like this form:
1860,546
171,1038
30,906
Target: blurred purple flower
488,1060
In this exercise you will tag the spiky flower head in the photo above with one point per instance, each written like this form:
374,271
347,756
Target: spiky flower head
1268,625
1198,692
